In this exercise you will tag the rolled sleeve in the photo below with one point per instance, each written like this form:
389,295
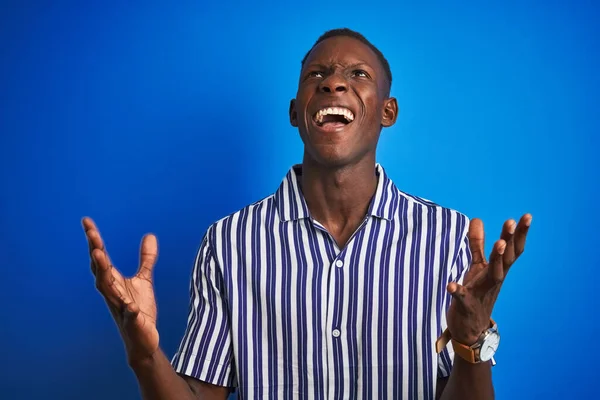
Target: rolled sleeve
206,351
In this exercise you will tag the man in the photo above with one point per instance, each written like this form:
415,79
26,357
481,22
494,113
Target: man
337,285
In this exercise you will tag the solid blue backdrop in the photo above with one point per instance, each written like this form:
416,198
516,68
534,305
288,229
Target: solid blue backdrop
163,118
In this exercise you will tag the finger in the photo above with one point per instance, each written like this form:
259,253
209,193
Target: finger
88,223
477,240
94,243
521,234
109,281
496,266
474,273
508,231
94,240
458,292
88,227
148,256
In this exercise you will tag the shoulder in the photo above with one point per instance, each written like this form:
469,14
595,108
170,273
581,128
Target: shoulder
232,227
444,229
445,226
417,211
453,218
284,204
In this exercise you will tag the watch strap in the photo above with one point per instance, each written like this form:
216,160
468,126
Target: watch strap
443,341
469,353
466,352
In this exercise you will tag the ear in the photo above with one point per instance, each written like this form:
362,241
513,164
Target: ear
390,112
293,113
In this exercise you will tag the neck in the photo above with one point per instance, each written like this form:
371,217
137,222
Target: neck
339,197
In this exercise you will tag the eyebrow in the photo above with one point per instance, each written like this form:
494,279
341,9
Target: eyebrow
362,64
355,65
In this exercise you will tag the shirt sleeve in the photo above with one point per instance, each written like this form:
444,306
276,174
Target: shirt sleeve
457,273
206,352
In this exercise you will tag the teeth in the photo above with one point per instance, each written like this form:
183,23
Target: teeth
334,111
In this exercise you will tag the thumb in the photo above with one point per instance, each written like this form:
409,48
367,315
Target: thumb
458,292
148,256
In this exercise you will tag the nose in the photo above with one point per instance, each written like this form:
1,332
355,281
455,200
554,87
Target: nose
333,83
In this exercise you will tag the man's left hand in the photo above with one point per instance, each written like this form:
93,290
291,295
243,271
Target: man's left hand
471,309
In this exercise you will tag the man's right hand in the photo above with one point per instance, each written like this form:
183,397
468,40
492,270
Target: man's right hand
132,305
130,300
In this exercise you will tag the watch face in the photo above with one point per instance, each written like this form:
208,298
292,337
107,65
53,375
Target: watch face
489,346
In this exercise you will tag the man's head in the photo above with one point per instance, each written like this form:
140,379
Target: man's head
343,99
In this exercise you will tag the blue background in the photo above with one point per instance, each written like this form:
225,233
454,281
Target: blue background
163,118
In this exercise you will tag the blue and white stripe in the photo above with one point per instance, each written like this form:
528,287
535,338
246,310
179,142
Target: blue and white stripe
278,310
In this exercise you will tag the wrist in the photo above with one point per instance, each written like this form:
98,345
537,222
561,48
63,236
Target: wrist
465,364
467,340
478,350
141,361
469,335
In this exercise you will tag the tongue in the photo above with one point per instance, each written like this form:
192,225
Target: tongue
332,126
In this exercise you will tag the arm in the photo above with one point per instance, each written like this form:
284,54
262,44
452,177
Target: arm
457,378
161,379
468,382
158,380
132,304
472,303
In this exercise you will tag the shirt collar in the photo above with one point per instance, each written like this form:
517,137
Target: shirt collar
291,205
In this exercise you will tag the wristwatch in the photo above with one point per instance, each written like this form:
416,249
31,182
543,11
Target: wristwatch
481,351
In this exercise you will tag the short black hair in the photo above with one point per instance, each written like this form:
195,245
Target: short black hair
353,34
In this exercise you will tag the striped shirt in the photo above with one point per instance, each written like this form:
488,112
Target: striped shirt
279,311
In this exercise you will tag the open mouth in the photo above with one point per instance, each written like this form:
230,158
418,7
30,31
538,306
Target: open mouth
333,118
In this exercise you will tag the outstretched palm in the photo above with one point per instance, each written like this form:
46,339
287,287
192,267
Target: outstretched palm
130,300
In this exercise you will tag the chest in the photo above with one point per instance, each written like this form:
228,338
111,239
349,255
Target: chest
295,275
309,317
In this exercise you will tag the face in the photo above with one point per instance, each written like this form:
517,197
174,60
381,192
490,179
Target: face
342,102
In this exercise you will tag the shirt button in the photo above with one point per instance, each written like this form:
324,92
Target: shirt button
336,333
339,263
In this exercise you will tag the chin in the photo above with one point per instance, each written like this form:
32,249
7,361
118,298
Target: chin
332,157
336,150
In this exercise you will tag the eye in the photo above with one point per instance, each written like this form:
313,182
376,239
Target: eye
359,73
315,74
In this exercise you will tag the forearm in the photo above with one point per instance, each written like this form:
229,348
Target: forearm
469,381
159,381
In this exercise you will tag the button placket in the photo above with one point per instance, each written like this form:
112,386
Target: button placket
337,280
